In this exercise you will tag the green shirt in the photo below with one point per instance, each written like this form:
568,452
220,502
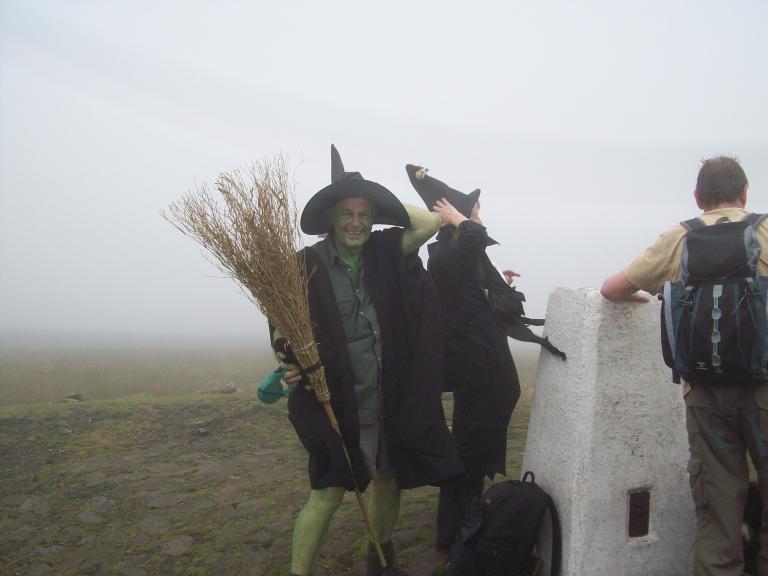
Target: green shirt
361,327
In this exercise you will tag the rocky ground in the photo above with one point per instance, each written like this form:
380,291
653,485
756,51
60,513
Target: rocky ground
185,485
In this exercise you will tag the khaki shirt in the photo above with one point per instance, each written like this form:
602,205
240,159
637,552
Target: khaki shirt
361,327
661,260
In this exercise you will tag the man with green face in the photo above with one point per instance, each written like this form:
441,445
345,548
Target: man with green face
351,221
378,335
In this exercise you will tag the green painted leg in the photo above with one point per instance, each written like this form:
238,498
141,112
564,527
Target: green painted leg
323,540
311,526
384,506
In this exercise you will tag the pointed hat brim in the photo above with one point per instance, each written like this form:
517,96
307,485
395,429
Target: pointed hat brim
387,208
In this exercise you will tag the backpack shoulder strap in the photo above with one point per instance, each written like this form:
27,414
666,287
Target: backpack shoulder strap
688,226
755,220
693,224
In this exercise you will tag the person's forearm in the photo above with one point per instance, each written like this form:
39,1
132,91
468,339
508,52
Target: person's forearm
424,225
618,289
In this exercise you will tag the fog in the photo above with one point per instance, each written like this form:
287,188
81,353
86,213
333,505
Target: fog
584,124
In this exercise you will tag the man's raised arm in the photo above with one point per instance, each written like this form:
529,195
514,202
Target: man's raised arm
424,225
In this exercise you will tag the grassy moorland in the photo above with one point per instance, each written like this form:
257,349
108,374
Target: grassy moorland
28,376
147,476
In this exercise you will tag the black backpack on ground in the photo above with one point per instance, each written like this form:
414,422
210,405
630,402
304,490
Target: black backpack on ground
500,530
713,321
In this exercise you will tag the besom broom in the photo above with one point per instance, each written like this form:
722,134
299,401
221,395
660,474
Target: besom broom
254,238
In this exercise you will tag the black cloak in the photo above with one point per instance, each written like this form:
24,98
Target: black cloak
419,445
479,367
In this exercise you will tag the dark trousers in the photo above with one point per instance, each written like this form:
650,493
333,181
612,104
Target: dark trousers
724,424
453,502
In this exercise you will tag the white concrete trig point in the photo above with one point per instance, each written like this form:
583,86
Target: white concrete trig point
607,440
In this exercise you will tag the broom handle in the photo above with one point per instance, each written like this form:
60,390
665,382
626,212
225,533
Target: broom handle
358,494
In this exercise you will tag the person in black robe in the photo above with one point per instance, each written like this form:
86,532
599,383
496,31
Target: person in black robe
377,327
479,311
479,367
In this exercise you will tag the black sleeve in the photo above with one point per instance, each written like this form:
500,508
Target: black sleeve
452,261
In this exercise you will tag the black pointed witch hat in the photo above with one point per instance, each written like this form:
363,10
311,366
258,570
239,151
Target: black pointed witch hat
388,209
431,190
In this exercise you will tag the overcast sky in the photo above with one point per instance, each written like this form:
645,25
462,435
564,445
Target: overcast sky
584,124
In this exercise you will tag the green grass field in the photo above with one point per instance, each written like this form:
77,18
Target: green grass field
30,376
145,476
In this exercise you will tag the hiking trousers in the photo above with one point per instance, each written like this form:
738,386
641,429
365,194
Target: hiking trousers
724,423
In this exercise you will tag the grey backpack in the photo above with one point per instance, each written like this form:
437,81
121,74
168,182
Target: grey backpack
713,321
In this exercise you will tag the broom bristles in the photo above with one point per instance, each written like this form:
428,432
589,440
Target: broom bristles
253,237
